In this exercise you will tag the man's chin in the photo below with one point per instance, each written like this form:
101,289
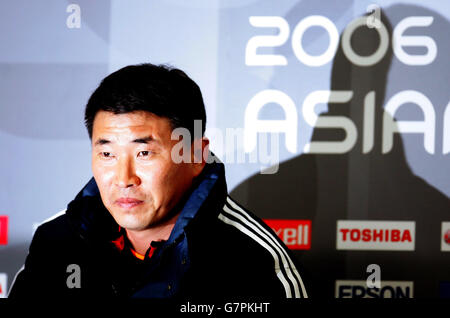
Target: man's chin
131,223
133,226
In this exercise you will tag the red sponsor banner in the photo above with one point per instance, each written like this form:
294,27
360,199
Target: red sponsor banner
445,241
296,234
3,229
3,281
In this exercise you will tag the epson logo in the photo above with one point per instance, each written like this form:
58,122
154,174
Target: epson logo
375,235
3,282
3,229
296,234
359,289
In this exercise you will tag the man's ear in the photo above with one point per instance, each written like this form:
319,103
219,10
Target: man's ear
199,147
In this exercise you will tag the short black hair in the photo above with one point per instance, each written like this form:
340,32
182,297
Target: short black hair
162,90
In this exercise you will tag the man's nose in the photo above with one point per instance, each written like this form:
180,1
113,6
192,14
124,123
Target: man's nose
126,174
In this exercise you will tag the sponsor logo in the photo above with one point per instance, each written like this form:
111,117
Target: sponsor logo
3,229
295,234
359,289
375,235
445,237
3,282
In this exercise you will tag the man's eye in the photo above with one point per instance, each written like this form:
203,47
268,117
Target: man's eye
145,153
106,155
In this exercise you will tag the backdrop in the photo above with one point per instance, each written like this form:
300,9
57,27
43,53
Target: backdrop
332,118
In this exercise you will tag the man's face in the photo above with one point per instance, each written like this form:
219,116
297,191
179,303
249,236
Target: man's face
131,161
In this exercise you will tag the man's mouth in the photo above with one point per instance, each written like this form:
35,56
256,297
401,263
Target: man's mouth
128,203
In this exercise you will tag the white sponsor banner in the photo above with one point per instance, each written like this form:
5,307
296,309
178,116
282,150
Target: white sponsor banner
359,289
3,285
375,235
445,237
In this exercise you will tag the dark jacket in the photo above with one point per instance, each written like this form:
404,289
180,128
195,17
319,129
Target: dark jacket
216,249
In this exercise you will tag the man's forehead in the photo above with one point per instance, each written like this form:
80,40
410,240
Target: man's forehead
129,127
136,118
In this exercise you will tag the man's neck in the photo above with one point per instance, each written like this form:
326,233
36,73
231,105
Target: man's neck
141,239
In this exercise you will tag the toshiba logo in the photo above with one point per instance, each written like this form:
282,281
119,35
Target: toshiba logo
3,229
375,235
296,234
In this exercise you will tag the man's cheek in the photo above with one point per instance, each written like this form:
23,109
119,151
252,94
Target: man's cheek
104,182
105,176
152,177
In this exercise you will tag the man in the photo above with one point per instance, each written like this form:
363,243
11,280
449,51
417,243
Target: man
148,224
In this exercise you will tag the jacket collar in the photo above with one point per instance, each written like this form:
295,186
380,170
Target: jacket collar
207,185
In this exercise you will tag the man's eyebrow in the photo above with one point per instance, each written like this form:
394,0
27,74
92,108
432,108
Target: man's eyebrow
101,141
145,140
142,140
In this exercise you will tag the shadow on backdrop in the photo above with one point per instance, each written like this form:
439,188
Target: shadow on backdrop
373,186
